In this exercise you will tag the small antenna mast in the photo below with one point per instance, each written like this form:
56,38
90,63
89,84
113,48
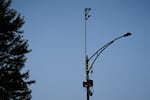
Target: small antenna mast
86,17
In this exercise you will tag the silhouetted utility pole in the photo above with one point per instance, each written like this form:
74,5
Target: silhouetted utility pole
89,83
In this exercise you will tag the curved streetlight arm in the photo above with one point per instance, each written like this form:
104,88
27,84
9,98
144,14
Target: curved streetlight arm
99,51
97,54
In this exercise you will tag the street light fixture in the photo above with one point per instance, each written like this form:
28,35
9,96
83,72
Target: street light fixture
89,83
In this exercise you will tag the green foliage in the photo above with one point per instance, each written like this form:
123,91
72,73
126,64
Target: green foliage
13,83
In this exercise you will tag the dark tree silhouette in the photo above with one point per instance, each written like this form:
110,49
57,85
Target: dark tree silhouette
14,85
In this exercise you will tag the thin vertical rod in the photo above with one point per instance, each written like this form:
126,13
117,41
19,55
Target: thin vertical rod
85,39
86,56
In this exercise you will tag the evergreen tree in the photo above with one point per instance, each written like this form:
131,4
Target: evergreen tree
14,85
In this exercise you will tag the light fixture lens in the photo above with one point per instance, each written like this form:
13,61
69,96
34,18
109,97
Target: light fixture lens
127,34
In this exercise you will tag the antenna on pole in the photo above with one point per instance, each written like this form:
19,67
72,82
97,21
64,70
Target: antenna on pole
88,83
86,17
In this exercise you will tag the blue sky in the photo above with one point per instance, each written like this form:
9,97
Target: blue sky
55,30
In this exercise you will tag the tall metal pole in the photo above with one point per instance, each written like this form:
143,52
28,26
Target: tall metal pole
86,84
89,83
86,56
